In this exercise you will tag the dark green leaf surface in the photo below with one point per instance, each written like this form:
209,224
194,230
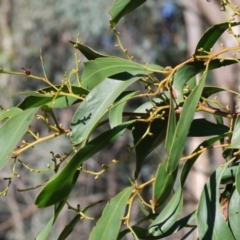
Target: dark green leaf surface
185,73
69,228
98,70
163,184
211,224
9,113
235,144
235,141
95,106
238,179
12,131
122,7
211,36
88,52
168,216
61,184
116,112
149,143
234,214
210,90
109,224
143,233
183,125
172,122
202,128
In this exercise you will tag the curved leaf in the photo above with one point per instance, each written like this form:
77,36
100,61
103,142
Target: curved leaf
143,233
88,52
234,214
211,36
46,230
115,114
9,113
183,125
172,122
168,216
163,184
12,131
148,143
101,68
238,179
110,222
122,7
235,141
61,184
210,90
186,72
211,224
69,228
202,127
95,106
59,102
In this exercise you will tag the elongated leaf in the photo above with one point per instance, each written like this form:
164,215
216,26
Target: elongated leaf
171,126
110,222
211,224
235,144
46,230
235,141
168,216
143,233
186,72
88,52
234,214
154,67
122,7
115,114
148,143
59,102
69,228
163,184
95,106
101,68
10,113
61,184
11,133
183,125
238,179
201,128
211,36
210,90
